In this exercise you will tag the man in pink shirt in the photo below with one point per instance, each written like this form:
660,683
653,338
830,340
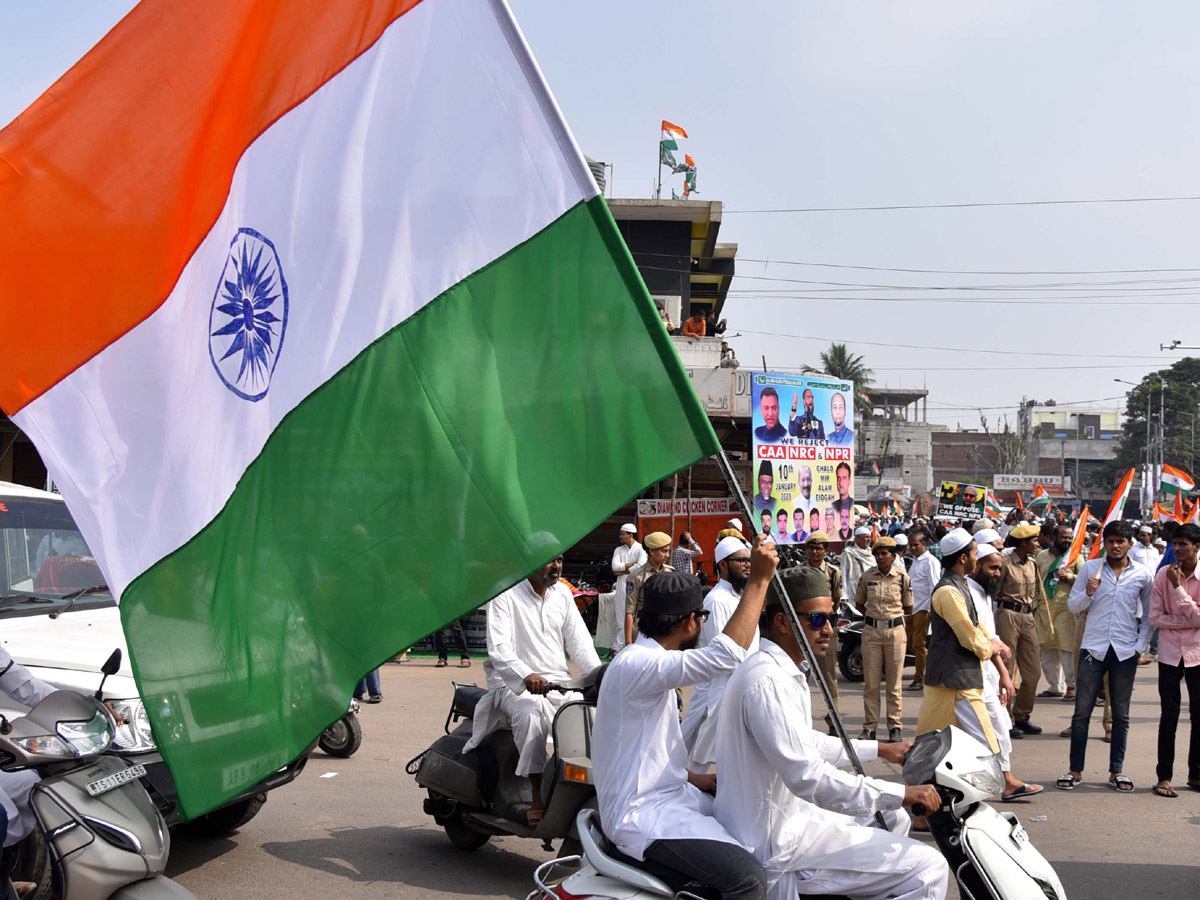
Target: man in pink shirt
1175,611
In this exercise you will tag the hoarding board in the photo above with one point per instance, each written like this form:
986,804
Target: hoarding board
802,443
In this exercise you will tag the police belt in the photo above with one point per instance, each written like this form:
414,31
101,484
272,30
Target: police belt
1015,606
884,623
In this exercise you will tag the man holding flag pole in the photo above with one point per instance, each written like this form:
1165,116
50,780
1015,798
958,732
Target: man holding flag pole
1058,567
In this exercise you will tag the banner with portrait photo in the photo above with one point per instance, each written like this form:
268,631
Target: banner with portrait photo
802,443
962,501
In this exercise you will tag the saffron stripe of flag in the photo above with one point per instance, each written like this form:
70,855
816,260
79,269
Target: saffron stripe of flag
257,387
1116,509
671,130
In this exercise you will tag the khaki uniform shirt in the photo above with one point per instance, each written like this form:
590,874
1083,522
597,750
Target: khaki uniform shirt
637,580
834,574
884,596
1019,581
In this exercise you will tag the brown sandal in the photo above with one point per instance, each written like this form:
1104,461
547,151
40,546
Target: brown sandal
1164,789
440,664
464,663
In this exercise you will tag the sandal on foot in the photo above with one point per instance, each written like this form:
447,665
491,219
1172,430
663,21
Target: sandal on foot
1050,694
1069,697
1194,784
1121,784
464,663
375,698
523,812
1067,782
1164,789
1107,737
1025,790
1066,732
440,664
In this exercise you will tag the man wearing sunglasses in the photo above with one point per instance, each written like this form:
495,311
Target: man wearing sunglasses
780,789
733,565
651,807
815,548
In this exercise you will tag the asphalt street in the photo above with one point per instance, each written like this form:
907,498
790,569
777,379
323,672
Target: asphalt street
354,827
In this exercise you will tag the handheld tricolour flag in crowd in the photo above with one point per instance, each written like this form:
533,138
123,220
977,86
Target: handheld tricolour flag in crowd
1116,509
1177,508
1066,559
992,509
345,317
1176,481
1040,499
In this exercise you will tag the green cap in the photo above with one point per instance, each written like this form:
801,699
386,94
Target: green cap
801,583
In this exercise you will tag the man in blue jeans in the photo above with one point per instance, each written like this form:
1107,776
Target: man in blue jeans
1114,594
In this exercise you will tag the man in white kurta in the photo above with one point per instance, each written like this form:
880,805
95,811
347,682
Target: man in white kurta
699,721
530,630
997,684
628,556
780,791
650,806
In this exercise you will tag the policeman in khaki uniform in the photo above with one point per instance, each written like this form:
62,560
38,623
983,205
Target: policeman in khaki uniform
815,547
885,597
1018,596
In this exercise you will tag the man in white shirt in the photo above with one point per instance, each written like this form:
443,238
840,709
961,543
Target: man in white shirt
1115,594
997,683
780,791
925,573
530,630
699,735
651,807
1144,551
627,557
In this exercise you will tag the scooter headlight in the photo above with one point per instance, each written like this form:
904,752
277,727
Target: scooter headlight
47,745
88,738
133,735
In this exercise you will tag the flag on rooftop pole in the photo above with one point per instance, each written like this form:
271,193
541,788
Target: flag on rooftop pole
1176,481
320,375
1116,509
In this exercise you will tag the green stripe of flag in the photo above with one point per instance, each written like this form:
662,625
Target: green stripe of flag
455,455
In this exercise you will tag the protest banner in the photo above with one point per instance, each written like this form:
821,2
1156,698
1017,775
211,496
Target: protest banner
962,501
802,455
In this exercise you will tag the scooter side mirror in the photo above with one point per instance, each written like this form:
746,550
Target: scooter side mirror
112,664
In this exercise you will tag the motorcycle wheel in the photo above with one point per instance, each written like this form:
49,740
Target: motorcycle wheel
225,820
850,661
463,837
343,737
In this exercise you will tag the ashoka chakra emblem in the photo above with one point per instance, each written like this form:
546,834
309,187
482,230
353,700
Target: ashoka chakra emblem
249,316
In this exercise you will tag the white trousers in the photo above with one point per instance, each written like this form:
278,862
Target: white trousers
913,870
968,721
530,717
1058,668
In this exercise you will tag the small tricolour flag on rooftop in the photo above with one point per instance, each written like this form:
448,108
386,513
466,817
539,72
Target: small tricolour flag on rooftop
327,338
1176,481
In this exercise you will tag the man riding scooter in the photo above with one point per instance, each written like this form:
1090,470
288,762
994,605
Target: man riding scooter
779,790
530,630
651,807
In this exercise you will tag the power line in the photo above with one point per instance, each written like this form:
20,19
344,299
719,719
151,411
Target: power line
1054,354
977,205
1093,300
825,265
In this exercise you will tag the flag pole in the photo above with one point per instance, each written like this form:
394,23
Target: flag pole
658,171
835,717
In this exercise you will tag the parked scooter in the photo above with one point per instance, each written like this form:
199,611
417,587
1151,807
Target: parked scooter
104,835
343,737
989,853
474,796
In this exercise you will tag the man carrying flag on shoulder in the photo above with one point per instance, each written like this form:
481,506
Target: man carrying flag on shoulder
1058,567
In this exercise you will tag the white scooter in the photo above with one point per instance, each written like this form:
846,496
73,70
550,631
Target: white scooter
989,852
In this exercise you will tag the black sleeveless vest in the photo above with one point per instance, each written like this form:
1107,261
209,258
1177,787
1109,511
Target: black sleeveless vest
949,664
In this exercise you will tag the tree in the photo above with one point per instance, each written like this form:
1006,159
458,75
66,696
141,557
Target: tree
1179,405
841,363
1008,443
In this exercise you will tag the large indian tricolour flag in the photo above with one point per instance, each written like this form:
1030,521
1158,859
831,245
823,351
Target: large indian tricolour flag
321,326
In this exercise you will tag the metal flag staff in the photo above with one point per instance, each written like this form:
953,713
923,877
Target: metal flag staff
835,717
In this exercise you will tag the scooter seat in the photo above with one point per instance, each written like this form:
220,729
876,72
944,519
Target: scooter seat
466,698
606,859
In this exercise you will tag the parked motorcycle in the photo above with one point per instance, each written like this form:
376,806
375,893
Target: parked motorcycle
989,853
103,834
475,796
849,629
343,737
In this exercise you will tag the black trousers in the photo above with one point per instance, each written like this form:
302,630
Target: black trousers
1169,678
726,868
460,640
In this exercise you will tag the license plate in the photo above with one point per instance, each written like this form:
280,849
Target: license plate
108,782
1019,836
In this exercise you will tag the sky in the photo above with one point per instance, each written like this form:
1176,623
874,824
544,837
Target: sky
805,105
